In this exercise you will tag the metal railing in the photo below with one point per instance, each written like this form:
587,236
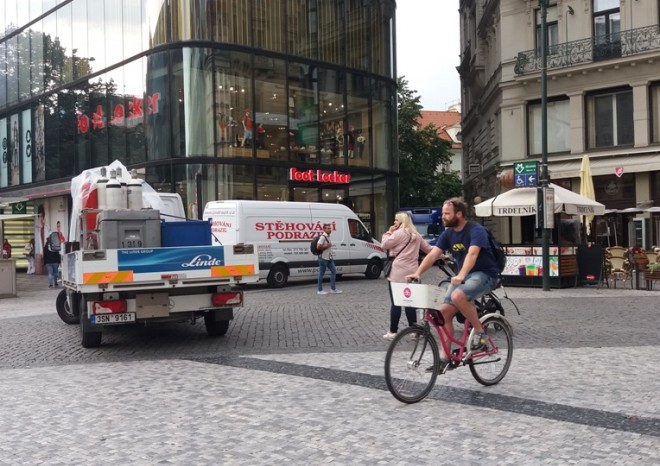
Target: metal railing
592,49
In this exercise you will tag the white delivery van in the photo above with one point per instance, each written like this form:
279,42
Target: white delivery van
282,233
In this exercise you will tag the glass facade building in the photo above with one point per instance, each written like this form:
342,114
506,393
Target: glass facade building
213,99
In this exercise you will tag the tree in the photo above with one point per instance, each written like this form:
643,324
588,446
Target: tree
422,154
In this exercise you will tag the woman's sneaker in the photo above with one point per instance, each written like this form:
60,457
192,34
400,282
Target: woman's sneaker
479,341
443,364
389,336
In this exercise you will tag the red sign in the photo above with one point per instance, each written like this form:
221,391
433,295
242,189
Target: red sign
119,117
319,175
618,171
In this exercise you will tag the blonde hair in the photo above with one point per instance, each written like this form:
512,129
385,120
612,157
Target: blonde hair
406,222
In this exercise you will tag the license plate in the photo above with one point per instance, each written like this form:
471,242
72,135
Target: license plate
113,318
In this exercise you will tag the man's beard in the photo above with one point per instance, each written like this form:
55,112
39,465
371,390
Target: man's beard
451,223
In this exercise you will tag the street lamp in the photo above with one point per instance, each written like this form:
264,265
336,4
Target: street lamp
543,4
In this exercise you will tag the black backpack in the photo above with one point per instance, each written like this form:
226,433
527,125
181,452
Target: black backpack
496,249
313,246
55,244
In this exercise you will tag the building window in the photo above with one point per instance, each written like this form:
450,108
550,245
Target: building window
610,118
559,131
655,111
607,29
553,30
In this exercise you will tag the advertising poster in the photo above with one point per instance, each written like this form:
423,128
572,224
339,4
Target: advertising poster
14,152
38,145
5,152
26,137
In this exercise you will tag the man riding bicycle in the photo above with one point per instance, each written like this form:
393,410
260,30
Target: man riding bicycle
477,270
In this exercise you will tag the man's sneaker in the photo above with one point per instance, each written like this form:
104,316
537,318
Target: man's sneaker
389,336
335,291
443,364
479,341
321,292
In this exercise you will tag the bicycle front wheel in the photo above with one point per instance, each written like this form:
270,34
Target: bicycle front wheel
411,364
490,369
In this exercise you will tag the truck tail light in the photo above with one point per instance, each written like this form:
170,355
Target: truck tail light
109,307
233,298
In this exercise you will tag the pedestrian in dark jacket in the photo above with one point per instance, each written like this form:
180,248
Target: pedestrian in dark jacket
52,263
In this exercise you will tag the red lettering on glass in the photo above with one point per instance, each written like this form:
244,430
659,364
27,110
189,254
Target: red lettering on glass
135,108
83,123
152,102
118,115
97,118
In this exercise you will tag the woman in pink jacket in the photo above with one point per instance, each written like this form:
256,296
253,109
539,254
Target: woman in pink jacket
404,243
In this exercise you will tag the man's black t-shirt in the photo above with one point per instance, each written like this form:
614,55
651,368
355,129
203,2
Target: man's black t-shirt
454,243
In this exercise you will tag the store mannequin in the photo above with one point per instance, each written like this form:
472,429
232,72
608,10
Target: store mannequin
360,140
350,141
247,127
233,129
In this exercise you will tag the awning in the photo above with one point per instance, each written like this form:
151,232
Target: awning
4,217
519,202
605,165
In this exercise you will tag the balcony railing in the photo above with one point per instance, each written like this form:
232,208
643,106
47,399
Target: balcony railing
593,49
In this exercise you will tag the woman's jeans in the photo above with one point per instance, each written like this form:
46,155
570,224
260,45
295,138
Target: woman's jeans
52,274
395,313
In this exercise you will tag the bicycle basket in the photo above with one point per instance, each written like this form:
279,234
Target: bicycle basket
417,295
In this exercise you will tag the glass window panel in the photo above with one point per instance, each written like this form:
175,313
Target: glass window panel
80,50
232,21
272,183
39,149
24,65
330,31
157,107
133,21
35,9
14,155
358,120
3,21
382,19
270,107
22,12
558,127
193,90
303,112
135,107
604,121
235,182
302,24
3,75
655,111
11,16
602,5
12,70
156,23
268,24
65,38
624,118
233,102
384,133
36,59
64,154
96,35
114,113
191,20
357,35
114,36
95,120
332,112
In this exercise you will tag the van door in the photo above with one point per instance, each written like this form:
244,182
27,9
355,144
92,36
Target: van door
360,244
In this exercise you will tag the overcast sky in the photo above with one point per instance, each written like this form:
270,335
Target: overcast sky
428,49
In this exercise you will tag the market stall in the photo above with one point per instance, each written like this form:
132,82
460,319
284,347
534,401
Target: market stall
524,261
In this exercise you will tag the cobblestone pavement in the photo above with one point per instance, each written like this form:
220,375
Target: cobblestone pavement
299,378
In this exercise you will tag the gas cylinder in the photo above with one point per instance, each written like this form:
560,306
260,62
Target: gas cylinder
114,198
134,192
100,189
124,188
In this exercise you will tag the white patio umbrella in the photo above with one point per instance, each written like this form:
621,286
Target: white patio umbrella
587,188
519,202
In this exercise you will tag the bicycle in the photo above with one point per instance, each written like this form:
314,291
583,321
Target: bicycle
414,350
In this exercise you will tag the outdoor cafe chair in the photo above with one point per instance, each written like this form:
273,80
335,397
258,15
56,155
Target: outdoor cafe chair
618,268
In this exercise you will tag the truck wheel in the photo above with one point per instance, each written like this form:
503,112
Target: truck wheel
68,313
215,328
88,339
278,276
374,268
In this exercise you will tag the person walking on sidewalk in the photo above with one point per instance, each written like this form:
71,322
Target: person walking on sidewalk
403,243
29,254
52,263
326,261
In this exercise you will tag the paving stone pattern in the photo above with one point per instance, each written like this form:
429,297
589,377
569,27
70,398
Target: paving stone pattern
298,379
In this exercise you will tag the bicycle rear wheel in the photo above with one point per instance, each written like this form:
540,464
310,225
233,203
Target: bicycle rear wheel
410,354
490,369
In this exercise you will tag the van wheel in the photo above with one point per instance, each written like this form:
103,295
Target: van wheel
67,312
374,268
215,328
88,339
278,276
